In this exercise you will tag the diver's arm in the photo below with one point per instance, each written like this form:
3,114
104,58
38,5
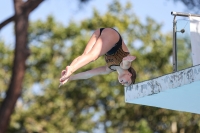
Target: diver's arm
90,73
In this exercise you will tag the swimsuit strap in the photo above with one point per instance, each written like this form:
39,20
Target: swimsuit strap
101,29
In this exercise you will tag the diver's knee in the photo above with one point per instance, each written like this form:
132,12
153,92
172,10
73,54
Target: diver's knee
94,57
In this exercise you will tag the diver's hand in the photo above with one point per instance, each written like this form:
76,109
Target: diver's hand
126,62
63,80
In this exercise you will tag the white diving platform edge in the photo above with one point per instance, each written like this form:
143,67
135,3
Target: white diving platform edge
178,91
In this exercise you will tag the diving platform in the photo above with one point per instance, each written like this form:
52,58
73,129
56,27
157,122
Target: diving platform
179,90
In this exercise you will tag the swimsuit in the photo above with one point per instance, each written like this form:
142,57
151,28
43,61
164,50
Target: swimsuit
116,54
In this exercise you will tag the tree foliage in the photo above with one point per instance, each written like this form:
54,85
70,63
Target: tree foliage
96,103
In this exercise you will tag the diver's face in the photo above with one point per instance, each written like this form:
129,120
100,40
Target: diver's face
125,79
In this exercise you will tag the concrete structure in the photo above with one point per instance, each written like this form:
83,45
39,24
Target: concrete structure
176,91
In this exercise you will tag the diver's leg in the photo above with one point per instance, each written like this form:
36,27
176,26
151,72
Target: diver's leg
104,43
89,45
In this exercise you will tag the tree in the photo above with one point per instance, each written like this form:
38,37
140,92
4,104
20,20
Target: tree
20,18
22,11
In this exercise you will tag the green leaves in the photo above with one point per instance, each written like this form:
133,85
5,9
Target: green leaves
6,57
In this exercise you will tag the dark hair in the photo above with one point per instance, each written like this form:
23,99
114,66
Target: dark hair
133,72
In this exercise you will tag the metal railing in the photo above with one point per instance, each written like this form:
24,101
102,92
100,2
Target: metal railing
175,34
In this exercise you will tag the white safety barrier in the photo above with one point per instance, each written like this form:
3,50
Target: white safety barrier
195,39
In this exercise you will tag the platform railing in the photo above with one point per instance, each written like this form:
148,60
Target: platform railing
175,34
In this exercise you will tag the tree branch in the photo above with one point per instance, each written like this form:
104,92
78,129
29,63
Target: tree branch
30,5
7,21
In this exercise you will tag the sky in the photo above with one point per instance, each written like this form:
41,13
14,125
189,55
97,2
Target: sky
64,11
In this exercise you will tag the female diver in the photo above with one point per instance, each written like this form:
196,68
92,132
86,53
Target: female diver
108,42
